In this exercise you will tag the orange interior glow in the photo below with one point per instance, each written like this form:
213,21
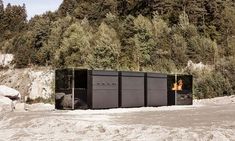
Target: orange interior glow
178,86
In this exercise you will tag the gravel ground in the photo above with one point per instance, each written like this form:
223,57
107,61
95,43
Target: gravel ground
207,120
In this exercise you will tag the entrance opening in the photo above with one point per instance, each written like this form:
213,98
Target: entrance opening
80,89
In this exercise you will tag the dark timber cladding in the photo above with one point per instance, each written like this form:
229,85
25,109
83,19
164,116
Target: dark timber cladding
155,89
98,89
131,89
103,89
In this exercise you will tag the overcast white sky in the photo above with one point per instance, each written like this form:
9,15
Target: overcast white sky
35,7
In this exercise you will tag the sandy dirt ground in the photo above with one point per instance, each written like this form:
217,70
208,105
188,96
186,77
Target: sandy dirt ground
206,120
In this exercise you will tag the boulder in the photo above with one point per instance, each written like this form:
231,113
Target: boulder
67,101
59,96
6,104
64,101
19,107
9,92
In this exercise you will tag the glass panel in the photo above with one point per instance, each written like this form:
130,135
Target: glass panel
63,88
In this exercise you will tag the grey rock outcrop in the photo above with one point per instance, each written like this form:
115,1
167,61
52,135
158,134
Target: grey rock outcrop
6,104
9,92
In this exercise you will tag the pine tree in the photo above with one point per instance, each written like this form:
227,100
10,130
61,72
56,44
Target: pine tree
227,29
54,40
106,50
1,10
143,41
213,18
67,7
122,8
75,50
161,53
23,51
127,33
15,18
195,9
1,19
179,48
113,21
162,7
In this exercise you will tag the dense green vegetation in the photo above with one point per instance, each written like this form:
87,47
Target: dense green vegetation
140,35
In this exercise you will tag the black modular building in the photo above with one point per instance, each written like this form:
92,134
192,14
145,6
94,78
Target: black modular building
102,89
131,89
155,89
99,89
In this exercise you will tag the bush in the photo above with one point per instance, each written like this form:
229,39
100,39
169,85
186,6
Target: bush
211,84
227,67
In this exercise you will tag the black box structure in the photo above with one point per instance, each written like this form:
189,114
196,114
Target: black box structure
131,89
82,89
103,89
99,89
180,89
155,89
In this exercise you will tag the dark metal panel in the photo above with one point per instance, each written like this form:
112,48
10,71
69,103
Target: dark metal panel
131,74
119,90
157,97
103,73
171,93
104,89
105,82
89,88
132,98
129,83
156,75
157,83
156,89
105,99
131,89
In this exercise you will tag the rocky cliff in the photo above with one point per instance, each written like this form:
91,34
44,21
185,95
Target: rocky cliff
32,83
